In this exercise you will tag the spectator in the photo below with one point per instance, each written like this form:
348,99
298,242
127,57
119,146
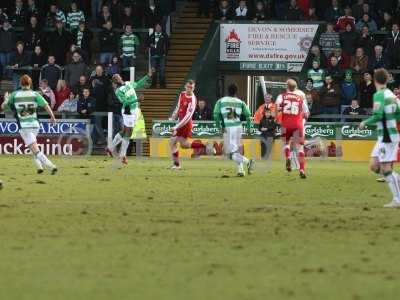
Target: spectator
19,59
366,91
75,69
116,7
129,43
379,59
224,11
108,40
392,84
99,84
83,39
75,17
359,62
329,40
152,15
86,104
268,104
59,43
333,12
346,19
115,106
69,104
366,9
57,14
312,97
202,112
158,45
32,35
47,93
242,12
280,8
330,97
3,16
268,128
7,44
95,8
82,84
354,110
261,13
349,40
335,71
387,22
32,11
311,15
38,60
127,16
104,17
357,9
293,12
317,75
367,21
204,8
316,54
114,67
393,47
349,89
342,58
367,42
51,72
61,93
18,16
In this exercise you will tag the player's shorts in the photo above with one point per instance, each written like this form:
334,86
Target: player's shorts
297,134
130,119
185,131
28,135
385,152
232,139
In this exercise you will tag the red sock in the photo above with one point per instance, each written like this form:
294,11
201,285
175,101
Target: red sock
196,145
302,161
175,158
287,152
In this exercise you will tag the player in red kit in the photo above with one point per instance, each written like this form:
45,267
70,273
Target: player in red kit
182,131
294,110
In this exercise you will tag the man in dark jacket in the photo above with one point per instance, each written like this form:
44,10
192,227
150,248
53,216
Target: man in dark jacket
108,40
330,97
83,39
393,47
224,11
379,59
51,72
32,36
18,15
7,44
75,69
59,43
202,112
158,44
19,59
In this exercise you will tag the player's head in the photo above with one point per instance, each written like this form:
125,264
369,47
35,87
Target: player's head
190,86
117,79
291,85
381,77
232,90
25,82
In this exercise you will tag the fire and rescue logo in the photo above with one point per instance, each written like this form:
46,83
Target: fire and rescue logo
305,43
233,45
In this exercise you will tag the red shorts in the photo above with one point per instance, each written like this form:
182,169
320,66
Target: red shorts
185,131
297,134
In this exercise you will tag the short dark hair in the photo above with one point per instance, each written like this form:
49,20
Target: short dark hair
381,76
232,90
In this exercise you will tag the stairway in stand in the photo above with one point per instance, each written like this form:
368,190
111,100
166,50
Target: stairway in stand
186,40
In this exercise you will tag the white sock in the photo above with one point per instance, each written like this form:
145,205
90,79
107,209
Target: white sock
38,163
240,168
117,140
124,146
392,181
238,158
44,160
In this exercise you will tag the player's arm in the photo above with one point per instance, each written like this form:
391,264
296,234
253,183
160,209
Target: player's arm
278,103
6,102
143,81
174,115
217,114
306,110
43,103
377,114
189,114
247,115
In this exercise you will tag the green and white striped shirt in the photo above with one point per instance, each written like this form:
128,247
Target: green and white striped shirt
228,110
385,115
128,44
73,19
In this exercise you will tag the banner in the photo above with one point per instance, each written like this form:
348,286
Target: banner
62,127
272,43
330,131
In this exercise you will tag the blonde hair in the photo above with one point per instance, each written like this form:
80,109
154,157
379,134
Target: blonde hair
61,84
291,85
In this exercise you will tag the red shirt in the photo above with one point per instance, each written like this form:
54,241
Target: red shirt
293,108
61,96
185,109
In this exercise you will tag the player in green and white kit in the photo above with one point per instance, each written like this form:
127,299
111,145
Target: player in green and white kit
126,94
227,113
386,112
25,103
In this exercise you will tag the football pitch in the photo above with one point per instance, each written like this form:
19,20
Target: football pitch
94,231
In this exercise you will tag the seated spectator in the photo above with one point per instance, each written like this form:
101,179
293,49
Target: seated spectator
61,93
224,11
47,93
330,97
115,67
83,39
104,17
242,12
38,60
366,91
329,40
59,43
333,13
202,112
82,84
69,104
312,97
86,104
74,18
359,62
268,104
349,89
129,43
311,15
342,58
75,69
293,12
268,128
317,75
19,59
393,47
158,45
354,110
346,19
32,35
367,21
379,59
316,54
108,40
387,22
335,71
152,15
367,42
261,13
51,72
349,40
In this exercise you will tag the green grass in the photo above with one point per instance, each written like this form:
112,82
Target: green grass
97,232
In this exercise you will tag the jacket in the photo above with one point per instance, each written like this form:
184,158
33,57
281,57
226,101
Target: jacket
108,40
73,71
7,40
52,73
159,45
330,97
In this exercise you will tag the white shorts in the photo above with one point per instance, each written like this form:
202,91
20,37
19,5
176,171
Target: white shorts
29,135
130,119
385,152
232,139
